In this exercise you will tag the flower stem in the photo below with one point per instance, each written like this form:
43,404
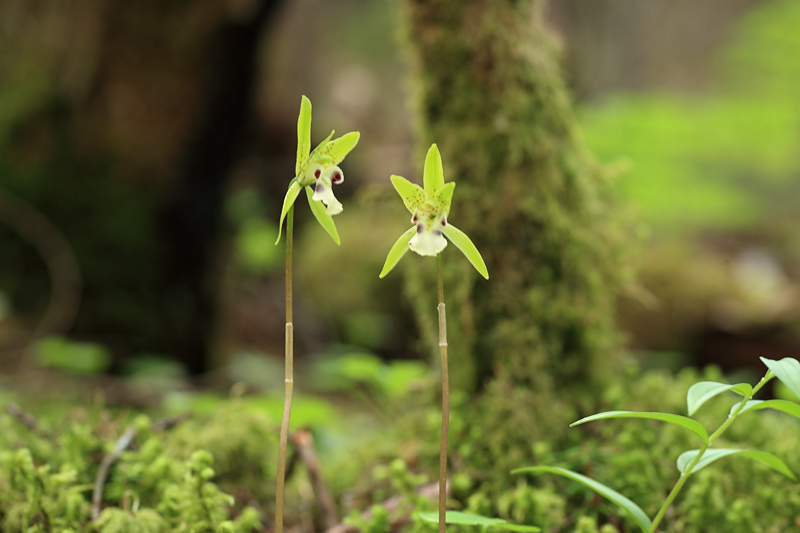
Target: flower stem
289,379
445,397
720,430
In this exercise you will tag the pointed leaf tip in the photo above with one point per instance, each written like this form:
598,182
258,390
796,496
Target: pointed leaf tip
678,420
412,194
634,511
338,149
303,134
702,391
433,173
787,370
398,250
288,202
714,454
324,219
470,251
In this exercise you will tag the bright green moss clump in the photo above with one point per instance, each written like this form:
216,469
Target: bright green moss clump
164,481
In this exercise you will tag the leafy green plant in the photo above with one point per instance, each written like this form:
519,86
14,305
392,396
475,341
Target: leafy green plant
316,172
692,461
429,207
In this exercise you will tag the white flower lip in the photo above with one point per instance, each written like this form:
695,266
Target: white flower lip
323,187
428,240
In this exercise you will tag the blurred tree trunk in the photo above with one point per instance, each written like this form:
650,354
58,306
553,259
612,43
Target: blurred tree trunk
489,91
190,220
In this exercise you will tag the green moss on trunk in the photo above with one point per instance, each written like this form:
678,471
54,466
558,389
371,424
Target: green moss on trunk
488,89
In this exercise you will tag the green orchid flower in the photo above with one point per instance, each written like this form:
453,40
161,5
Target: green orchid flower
429,207
317,172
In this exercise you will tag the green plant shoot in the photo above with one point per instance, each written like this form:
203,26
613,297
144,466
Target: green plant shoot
691,461
429,206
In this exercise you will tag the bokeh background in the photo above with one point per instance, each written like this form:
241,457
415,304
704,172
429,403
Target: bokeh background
145,148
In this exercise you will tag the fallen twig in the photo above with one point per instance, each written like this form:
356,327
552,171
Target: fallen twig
122,444
27,420
304,442
430,491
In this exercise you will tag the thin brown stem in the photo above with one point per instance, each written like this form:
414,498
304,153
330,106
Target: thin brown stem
289,379
445,398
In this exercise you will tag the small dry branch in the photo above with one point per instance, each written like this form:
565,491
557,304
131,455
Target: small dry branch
122,444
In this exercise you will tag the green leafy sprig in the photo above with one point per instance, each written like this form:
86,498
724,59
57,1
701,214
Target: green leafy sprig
692,461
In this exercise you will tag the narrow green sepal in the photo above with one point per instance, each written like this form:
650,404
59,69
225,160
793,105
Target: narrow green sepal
445,196
303,134
288,202
321,146
337,149
433,174
324,219
412,194
397,252
463,243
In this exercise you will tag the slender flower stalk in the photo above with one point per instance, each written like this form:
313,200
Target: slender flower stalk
429,207
445,397
289,378
316,172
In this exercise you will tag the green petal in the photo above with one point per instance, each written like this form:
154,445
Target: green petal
397,252
445,196
433,175
339,148
303,134
324,219
460,239
317,156
412,194
288,202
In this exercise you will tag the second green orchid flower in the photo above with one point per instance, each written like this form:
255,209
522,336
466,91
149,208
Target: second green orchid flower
317,172
429,207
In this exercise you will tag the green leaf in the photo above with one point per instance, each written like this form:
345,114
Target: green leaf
433,174
521,528
397,252
303,134
460,239
324,219
337,149
463,519
445,196
412,194
467,519
785,406
288,202
635,512
701,392
787,370
713,455
682,421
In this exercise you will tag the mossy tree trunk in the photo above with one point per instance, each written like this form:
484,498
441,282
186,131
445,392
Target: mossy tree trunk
488,89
